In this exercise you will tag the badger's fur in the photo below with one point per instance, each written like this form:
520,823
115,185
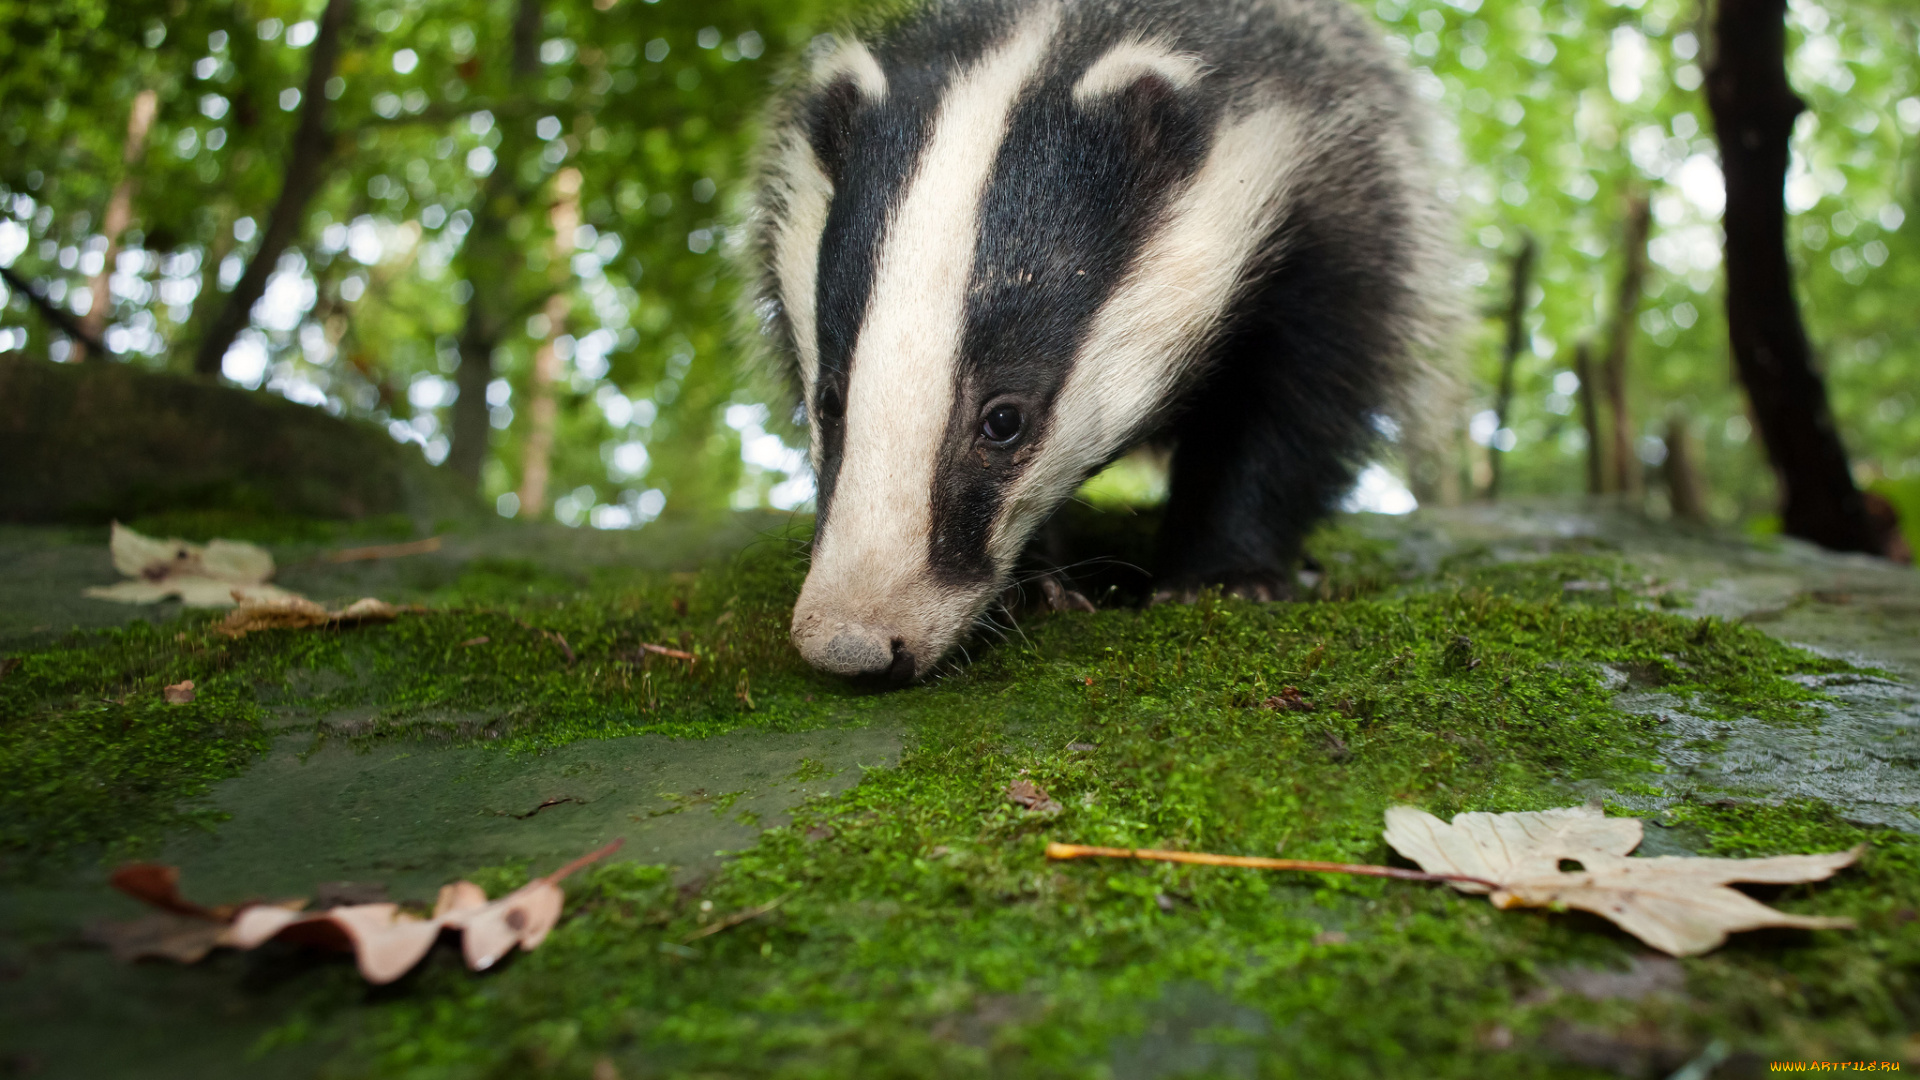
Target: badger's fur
1087,224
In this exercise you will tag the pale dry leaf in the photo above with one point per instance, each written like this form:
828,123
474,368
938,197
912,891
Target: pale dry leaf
179,693
459,896
386,940
521,918
1677,904
217,574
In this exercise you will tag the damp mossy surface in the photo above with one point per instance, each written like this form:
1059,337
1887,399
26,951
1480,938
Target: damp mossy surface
912,925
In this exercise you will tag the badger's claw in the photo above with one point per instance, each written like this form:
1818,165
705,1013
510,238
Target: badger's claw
1264,588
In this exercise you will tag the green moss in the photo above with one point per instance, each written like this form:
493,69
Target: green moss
920,930
920,913
94,756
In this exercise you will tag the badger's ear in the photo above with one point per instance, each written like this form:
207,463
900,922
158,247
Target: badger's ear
1143,80
830,126
1129,64
847,77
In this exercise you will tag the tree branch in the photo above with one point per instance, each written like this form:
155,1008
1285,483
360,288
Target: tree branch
306,171
53,313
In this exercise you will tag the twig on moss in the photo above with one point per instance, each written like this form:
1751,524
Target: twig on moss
736,919
383,551
675,654
1254,862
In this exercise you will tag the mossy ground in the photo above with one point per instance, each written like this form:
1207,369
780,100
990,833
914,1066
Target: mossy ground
919,929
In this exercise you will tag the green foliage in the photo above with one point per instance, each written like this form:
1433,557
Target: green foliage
1561,111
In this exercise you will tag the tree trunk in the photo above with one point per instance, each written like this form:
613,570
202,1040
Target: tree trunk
1754,109
543,410
1510,356
1686,492
493,261
1590,419
305,172
119,215
1626,307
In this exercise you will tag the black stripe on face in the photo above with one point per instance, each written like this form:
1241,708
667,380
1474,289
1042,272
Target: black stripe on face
868,151
1076,191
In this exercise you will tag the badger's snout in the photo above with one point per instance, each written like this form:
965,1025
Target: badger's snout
861,650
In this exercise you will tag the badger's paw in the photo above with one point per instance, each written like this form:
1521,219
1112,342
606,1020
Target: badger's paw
1262,586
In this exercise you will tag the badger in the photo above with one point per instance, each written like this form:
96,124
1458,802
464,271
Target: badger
996,244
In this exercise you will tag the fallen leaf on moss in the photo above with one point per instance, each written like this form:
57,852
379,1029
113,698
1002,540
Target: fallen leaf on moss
1678,904
386,940
179,693
1032,796
218,574
1288,700
180,930
298,613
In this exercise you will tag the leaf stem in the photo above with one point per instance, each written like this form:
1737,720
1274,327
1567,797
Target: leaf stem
585,860
1255,862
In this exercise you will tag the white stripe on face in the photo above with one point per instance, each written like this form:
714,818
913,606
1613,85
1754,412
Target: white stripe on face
804,193
870,563
1155,325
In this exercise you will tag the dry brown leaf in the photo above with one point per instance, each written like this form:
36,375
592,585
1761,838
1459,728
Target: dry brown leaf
158,885
386,940
161,935
217,574
298,613
179,693
1679,905
1032,796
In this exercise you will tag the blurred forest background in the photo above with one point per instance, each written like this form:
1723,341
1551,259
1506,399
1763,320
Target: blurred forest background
505,235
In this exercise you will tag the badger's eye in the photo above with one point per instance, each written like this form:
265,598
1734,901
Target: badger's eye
1002,424
832,405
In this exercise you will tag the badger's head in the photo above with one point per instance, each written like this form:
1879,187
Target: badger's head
993,264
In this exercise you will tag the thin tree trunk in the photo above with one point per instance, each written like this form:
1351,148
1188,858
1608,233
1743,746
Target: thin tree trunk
1754,109
1686,492
493,261
1510,356
543,410
305,173
1626,307
119,215
1590,419
208,300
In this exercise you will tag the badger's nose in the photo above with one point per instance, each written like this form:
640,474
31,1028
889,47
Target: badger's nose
854,649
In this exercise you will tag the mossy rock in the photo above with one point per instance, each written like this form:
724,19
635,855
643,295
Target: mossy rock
886,910
88,443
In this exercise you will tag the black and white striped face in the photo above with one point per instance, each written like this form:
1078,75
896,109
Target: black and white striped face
998,244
